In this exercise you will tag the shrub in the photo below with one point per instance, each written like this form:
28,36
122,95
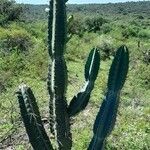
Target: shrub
145,33
146,56
80,25
17,39
2,87
107,48
76,26
130,31
94,24
12,64
106,28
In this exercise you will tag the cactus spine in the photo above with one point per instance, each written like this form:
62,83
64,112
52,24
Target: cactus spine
60,111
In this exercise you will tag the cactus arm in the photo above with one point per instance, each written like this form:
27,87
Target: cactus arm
58,28
92,65
105,121
119,69
32,120
60,121
106,117
80,101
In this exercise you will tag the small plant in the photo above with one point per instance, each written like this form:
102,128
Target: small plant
60,111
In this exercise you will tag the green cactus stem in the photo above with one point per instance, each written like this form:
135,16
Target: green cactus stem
57,80
106,117
119,69
80,101
32,120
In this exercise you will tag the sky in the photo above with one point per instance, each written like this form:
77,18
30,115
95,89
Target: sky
72,1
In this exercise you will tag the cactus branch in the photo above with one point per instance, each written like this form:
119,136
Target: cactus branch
32,120
119,69
80,101
106,117
50,101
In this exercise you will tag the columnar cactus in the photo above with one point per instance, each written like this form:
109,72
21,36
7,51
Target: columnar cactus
106,117
57,82
60,112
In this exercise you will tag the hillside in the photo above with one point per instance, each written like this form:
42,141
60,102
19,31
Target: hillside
133,8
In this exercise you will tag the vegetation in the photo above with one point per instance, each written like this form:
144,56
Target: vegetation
9,11
23,58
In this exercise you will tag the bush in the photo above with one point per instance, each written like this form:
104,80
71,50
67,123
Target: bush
12,64
2,87
106,28
107,50
37,29
130,31
146,56
94,24
17,39
76,27
79,25
145,33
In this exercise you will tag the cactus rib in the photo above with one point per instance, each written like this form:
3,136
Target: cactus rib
51,115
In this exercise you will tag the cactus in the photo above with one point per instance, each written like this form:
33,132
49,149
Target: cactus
60,112
106,117
58,79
